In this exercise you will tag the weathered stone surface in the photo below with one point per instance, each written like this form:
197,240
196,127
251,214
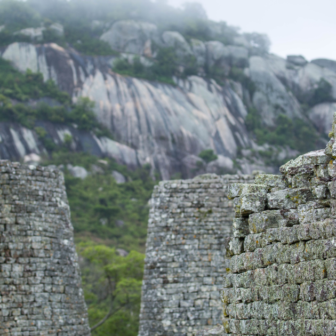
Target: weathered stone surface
77,171
185,255
281,278
120,178
153,123
131,37
35,34
20,142
40,284
297,60
322,116
175,40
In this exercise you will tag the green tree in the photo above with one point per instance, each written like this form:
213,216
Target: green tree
17,15
208,155
295,133
112,287
83,114
166,63
323,93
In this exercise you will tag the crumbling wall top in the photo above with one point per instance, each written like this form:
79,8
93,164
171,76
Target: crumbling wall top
282,268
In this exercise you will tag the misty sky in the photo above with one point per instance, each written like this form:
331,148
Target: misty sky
306,27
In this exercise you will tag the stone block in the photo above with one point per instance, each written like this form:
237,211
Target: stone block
250,203
288,198
260,222
241,189
274,182
240,227
312,212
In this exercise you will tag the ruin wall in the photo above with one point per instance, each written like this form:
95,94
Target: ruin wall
40,284
185,255
282,267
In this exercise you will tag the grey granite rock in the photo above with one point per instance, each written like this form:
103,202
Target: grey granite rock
325,63
152,123
322,116
131,37
35,34
77,171
57,29
175,40
199,51
120,178
297,60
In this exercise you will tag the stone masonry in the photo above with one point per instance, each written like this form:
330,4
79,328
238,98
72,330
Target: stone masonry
185,257
282,270
40,285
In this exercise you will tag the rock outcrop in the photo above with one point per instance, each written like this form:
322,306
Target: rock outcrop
164,125
161,122
131,37
321,116
17,142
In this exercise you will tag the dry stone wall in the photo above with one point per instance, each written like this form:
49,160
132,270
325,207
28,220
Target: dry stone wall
40,285
185,258
282,270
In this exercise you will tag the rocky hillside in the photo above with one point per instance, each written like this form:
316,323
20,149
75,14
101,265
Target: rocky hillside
168,91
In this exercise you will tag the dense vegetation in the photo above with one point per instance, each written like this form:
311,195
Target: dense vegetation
115,212
109,216
295,133
208,155
112,288
84,23
322,94
78,33
77,16
164,67
18,90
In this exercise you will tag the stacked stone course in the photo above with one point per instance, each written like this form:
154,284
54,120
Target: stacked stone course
185,257
40,285
282,268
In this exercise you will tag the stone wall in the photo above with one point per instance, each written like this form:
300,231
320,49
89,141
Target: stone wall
40,285
282,270
185,262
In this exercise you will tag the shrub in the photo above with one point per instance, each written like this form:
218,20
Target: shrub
102,197
253,120
30,86
208,155
162,70
238,75
322,94
190,66
134,69
166,64
80,36
16,15
295,133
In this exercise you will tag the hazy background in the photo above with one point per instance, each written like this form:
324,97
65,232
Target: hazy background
306,27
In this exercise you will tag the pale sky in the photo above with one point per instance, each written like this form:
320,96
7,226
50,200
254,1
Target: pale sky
306,27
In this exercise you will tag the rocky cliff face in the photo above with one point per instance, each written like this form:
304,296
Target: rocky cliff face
168,126
162,123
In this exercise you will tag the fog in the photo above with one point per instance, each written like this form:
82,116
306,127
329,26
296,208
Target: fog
294,27
306,27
